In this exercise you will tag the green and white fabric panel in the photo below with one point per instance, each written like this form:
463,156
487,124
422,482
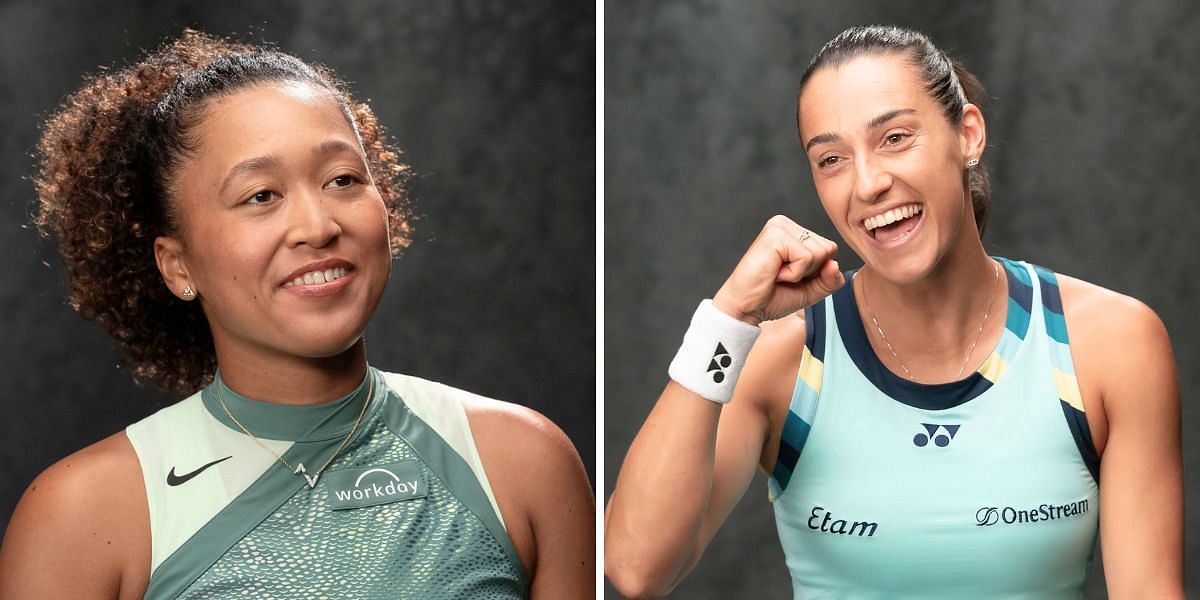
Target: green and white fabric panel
400,513
174,444
441,407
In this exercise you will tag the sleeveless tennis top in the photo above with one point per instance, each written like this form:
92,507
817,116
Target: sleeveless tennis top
404,510
980,488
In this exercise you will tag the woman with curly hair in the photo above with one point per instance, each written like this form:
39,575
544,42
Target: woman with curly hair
229,214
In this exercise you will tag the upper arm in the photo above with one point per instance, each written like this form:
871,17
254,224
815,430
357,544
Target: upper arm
81,529
544,496
1126,366
749,429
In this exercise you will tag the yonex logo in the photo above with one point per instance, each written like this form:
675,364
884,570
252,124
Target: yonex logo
991,515
720,361
941,440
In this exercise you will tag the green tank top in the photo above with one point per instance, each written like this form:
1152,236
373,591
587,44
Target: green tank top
404,511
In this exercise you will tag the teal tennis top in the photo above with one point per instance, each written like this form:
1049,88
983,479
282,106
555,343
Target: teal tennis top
979,488
404,511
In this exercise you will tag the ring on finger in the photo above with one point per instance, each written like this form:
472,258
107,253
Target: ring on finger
804,235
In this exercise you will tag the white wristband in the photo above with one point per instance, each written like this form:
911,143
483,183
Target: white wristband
712,354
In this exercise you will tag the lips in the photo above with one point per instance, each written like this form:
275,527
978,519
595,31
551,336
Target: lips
891,216
318,273
318,276
894,224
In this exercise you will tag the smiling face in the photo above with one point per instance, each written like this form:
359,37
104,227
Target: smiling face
283,235
887,164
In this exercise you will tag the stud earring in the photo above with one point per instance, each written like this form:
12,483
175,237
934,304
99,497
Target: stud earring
972,162
188,292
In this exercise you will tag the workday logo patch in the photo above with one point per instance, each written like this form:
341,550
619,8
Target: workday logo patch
380,484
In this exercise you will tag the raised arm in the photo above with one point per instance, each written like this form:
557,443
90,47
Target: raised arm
694,458
1127,362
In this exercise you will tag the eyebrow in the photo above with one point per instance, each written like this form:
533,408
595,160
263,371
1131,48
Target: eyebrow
323,151
825,138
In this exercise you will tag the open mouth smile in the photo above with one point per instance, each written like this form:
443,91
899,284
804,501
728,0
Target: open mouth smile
894,224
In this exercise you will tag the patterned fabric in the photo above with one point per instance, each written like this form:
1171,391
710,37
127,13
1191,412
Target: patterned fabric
430,548
976,488
363,532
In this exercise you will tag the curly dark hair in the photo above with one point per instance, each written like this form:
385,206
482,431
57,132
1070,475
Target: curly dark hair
106,161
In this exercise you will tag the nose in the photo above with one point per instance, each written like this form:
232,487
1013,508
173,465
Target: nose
871,178
312,220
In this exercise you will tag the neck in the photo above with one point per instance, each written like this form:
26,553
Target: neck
950,293
282,379
932,323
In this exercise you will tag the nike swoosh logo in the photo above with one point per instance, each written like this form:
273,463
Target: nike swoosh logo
173,479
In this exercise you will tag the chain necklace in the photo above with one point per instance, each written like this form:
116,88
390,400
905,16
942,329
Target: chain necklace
971,350
299,470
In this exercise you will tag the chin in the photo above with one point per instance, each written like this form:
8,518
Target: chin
902,269
323,337
323,347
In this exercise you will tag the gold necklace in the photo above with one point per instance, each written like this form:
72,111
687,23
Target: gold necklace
978,334
299,470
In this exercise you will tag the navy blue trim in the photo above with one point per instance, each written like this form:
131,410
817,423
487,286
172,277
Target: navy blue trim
925,396
1019,291
1082,433
1050,296
795,429
814,330
1056,330
791,443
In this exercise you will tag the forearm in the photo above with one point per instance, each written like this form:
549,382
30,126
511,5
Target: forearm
654,518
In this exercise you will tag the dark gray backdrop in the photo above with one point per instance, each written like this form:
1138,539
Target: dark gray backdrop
494,106
1094,140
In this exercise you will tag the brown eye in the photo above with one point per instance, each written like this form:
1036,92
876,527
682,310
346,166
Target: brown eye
828,161
261,197
895,138
342,181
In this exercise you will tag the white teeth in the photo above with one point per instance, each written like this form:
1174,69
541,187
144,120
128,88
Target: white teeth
891,216
318,277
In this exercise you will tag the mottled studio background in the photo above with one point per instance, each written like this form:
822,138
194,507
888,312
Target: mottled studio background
494,105
1094,151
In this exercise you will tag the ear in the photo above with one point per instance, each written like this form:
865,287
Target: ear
171,259
972,133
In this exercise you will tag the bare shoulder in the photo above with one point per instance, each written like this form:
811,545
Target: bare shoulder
1103,319
1122,354
82,526
543,493
67,495
525,432
522,446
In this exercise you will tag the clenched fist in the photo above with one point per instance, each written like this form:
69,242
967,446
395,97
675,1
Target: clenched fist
787,268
